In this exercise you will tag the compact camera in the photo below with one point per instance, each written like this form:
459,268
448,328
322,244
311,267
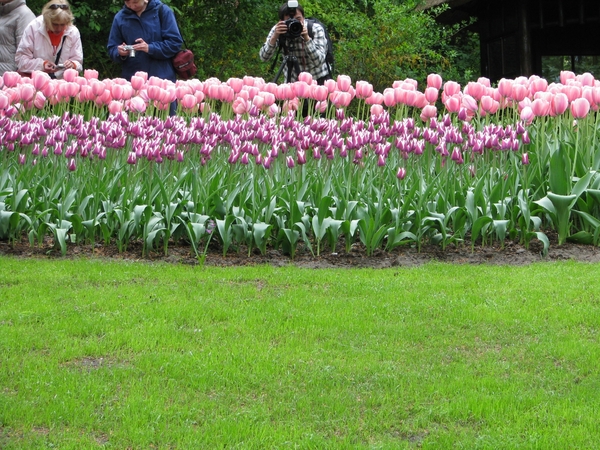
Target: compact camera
60,66
130,49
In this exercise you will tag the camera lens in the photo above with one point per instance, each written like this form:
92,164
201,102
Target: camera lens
294,28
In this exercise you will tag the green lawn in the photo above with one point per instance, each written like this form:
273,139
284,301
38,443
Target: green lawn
98,354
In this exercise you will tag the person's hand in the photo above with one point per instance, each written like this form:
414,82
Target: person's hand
140,45
280,30
304,35
49,67
70,64
122,52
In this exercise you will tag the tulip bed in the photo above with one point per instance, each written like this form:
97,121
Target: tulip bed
87,160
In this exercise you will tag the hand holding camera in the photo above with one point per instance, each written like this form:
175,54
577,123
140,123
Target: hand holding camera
130,50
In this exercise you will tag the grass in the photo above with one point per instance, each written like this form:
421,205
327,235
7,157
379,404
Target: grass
98,354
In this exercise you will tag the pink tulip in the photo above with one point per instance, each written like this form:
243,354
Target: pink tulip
137,82
268,98
363,89
475,90
344,82
154,92
505,87
431,94
484,81
90,74
428,112
540,107
401,173
389,97
451,88
39,102
26,92
188,101
236,84
525,159
376,110
489,105
137,104
142,75
182,90
452,103
376,98
40,79
572,92
226,93
340,99
566,75
301,89
331,85
537,84
70,75
434,80
240,106
580,108
115,107
305,77
4,101
71,165
587,79
469,103
116,91
559,104
285,92
319,93
258,101
11,79
273,110
519,92
527,114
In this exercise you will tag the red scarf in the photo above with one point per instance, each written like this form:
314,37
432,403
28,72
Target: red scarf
55,40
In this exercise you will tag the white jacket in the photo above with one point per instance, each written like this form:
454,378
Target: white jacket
14,17
35,48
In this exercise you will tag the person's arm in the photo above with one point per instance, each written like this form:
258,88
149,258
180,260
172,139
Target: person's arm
316,48
171,38
268,49
24,55
74,52
115,39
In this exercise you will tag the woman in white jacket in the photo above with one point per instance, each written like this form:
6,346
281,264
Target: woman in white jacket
51,42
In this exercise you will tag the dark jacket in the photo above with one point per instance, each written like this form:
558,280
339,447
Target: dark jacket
158,28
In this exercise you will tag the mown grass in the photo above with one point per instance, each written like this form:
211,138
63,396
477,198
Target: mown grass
100,354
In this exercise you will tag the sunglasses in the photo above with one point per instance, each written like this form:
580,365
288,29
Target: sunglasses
55,6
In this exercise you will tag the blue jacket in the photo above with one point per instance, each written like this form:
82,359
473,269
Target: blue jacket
157,27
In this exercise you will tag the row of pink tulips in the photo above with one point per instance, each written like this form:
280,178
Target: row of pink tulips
532,97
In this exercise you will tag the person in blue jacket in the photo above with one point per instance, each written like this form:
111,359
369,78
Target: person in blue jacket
150,29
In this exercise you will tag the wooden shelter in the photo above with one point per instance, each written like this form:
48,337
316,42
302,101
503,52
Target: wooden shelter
525,37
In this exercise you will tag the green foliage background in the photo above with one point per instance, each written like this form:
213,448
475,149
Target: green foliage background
375,40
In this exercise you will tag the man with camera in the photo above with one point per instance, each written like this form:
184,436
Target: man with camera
302,53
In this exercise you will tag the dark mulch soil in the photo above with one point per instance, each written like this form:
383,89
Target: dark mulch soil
512,253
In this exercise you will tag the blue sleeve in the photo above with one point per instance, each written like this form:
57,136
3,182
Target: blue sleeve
171,38
114,40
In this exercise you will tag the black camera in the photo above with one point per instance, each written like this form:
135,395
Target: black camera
294,28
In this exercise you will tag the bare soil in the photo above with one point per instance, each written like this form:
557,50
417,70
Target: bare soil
512,253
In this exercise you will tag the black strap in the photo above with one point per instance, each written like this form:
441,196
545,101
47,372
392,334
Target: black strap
52,75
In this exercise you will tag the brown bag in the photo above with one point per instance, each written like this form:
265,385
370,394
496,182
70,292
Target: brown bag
183,63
